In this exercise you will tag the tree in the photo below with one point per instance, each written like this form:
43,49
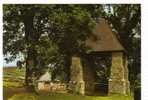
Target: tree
22,29
37,30
72,24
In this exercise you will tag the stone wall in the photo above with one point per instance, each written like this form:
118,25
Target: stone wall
52,87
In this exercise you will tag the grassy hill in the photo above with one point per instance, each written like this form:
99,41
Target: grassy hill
13,89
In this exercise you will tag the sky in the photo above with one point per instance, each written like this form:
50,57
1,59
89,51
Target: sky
13,63
9,64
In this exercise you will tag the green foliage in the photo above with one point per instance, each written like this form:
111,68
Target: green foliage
46,34
65,25
71,26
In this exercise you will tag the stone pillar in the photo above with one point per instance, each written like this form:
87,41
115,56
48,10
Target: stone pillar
118,82
77,82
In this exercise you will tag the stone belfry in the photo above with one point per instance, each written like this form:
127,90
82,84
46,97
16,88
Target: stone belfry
104,40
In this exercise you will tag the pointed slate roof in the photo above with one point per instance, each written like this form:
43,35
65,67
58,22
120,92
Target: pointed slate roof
104,39
45,77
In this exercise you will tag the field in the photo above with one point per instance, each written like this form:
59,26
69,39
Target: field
13,89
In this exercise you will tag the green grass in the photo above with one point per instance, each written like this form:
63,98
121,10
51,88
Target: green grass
12,84
14,90
28,96
13,71
12,77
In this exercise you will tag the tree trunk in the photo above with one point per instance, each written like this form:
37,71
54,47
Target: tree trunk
26,74
67,65
28,17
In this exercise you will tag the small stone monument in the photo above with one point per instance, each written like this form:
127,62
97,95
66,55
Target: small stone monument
44,81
